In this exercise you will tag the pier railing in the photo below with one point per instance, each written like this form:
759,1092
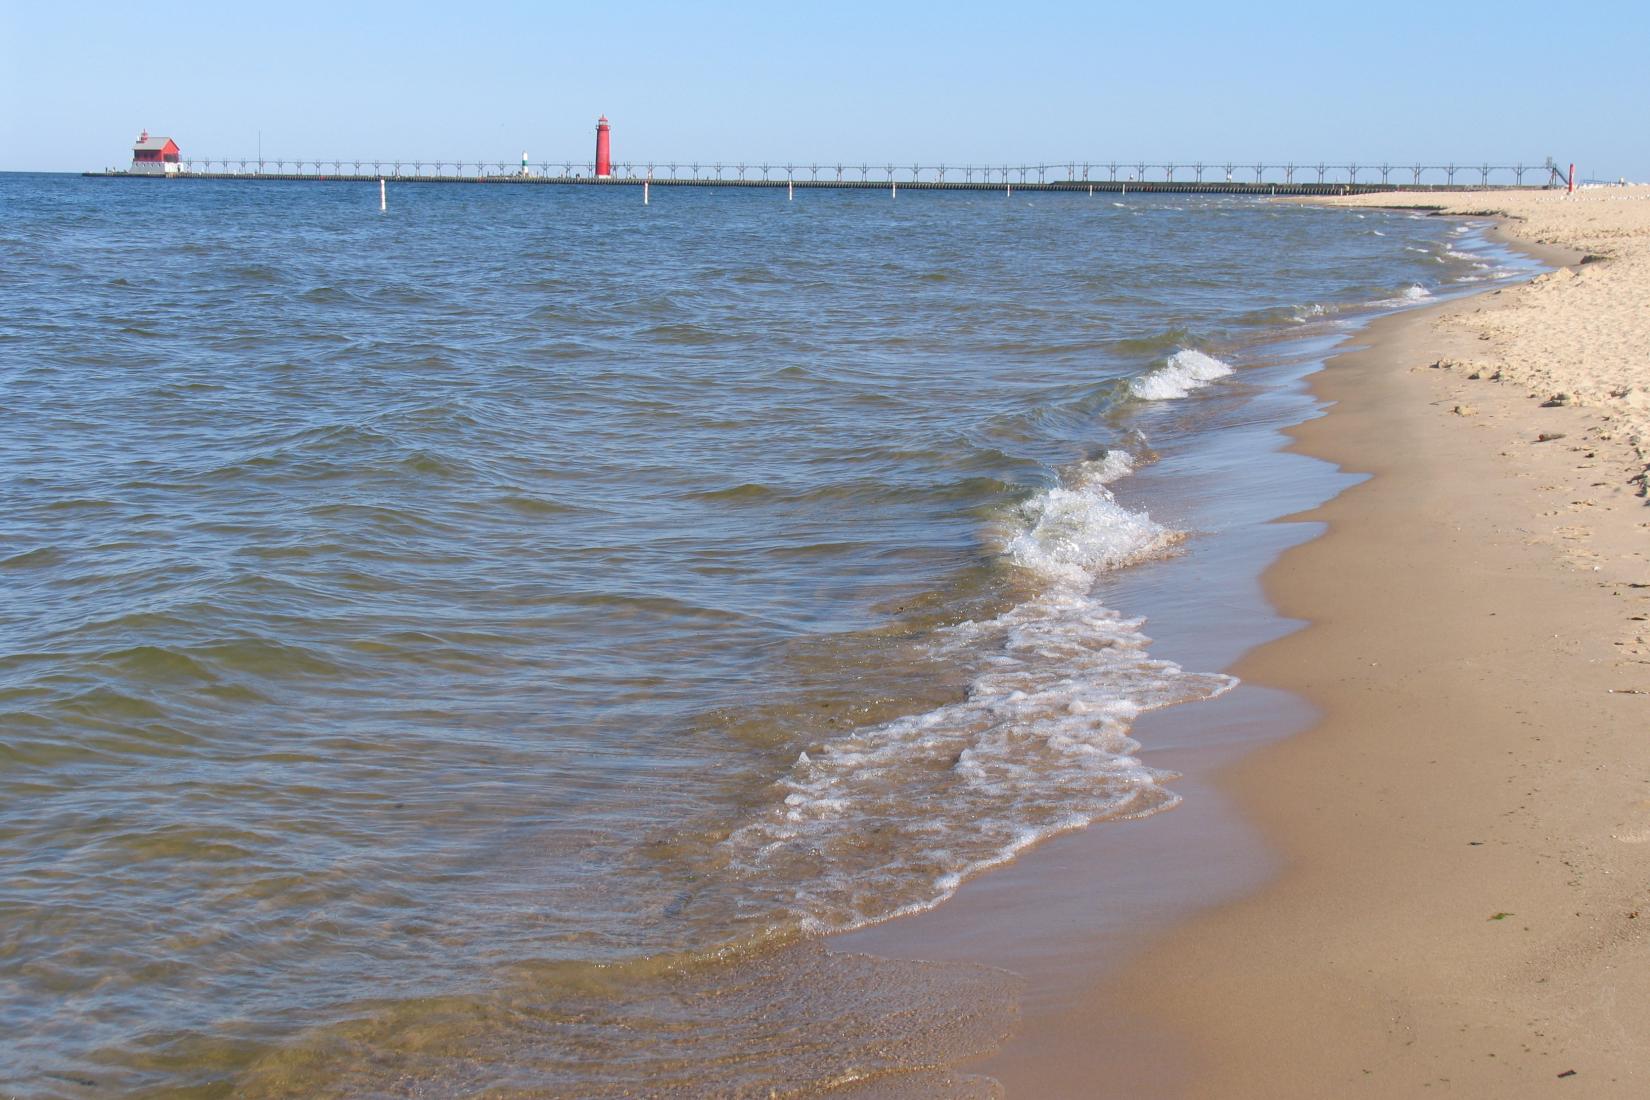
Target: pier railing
864,174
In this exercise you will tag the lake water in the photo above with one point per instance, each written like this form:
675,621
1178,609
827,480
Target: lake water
488,644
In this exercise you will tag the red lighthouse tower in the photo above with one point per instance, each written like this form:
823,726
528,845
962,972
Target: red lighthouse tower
604,153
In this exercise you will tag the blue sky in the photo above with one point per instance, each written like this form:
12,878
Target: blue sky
907,82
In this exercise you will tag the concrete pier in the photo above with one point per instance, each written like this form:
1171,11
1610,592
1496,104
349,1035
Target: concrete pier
1099,187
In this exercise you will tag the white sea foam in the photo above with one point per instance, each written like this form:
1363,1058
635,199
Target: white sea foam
1186,370
1073,531
892,818
1487,272
1410,295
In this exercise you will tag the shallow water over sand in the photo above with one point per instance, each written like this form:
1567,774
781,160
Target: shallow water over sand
498,634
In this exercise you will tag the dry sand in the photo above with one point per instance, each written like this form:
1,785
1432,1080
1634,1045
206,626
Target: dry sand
1465,898
1580,334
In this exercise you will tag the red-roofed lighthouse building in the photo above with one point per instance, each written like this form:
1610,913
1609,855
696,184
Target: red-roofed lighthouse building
155,156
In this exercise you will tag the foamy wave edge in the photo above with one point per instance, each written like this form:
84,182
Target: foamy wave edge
1409,296
1186,370
891,819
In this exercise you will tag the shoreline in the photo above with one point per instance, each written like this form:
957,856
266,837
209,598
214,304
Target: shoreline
1464,831
1046,916
1326,935
1065,913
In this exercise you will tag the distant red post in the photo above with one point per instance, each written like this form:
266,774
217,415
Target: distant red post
1572,189
604,153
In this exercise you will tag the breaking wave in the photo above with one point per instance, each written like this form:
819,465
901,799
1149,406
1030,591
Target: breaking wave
1187,369
892,818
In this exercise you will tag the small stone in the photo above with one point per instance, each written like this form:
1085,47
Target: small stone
1557,400
1548,437
1464,410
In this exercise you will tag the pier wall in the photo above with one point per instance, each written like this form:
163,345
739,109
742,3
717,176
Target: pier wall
1160,187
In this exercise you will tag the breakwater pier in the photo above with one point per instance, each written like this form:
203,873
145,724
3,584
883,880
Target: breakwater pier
1108,177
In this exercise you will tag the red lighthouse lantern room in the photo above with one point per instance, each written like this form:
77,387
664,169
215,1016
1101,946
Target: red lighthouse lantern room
604,152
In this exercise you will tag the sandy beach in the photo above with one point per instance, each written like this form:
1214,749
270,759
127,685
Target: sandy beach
1465,831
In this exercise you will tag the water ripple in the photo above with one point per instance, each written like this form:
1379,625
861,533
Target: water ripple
392,600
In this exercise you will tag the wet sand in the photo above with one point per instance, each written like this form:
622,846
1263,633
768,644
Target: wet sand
1455,846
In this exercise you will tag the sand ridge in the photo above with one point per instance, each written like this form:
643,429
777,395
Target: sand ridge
1578,335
